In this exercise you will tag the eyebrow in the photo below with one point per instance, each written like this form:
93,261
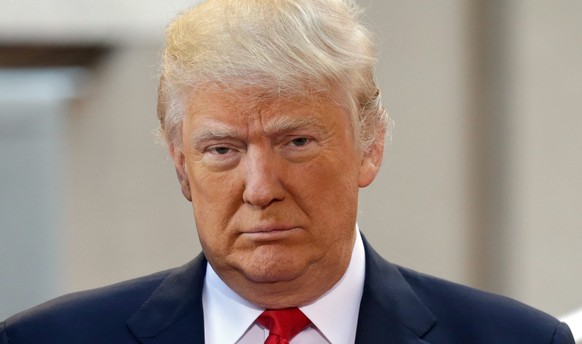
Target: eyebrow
287,124
278,126
209,134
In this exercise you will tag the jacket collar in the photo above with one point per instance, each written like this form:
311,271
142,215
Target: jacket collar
174,310
390,311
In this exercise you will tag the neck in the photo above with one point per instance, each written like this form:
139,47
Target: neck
317,280
285,294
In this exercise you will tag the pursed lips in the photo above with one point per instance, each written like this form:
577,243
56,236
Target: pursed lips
269,232
269,228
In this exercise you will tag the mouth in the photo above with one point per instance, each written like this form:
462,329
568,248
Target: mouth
270,233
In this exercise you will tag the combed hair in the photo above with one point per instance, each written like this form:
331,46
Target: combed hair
283,48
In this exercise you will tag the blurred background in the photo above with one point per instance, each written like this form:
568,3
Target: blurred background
482,183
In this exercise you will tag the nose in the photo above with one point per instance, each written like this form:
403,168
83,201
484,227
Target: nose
262,179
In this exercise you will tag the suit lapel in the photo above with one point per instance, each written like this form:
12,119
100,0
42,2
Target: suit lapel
390,311
174,310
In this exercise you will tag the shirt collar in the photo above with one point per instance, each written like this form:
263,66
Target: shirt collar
335,314
225,309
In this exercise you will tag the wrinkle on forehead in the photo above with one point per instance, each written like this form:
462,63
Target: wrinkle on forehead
256,96
270,127
255,109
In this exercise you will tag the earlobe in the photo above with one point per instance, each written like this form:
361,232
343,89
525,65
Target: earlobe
370,164
180,165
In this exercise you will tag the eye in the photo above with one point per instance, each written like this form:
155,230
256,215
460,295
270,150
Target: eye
220,150
300,148
221,157
300,141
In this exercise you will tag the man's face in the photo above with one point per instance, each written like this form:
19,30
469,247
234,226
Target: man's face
274,188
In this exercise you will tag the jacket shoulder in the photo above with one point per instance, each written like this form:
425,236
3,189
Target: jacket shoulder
98,314
475,316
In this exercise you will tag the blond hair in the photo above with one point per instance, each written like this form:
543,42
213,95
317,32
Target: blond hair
281,47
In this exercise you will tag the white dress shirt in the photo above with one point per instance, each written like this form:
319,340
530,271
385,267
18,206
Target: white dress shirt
228,318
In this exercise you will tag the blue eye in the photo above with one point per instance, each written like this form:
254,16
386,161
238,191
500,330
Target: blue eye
300,141
221,150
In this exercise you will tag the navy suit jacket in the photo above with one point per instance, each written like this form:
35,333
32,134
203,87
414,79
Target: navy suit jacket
398,306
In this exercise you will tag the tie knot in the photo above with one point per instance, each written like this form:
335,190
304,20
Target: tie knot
285,323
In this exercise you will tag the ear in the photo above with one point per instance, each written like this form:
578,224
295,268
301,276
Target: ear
180,164
370,164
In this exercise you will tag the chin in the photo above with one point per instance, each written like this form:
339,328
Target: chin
273,278
274,269
273,274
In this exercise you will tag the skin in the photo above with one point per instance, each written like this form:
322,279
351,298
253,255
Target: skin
274,188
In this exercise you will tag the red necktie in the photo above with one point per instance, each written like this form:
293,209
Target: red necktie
283,324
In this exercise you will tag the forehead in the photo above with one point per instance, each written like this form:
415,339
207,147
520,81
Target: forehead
229,105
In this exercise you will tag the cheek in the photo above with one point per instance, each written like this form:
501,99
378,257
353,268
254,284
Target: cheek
215,199
338,174
211,189
213,231
329,189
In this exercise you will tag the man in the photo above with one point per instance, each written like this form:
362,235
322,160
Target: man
274,122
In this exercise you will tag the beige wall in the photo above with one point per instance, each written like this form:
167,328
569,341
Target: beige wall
125,213
418,209
546,168
476,187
